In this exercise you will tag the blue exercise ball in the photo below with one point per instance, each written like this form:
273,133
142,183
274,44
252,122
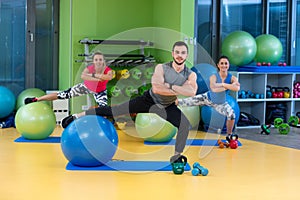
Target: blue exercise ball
203,72
213,120
7,102
89,141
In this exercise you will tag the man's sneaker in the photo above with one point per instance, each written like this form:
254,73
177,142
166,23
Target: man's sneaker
178,158
67,120
30,100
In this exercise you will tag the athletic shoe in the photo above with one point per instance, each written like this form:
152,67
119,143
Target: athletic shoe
178,158
232,136
228,138
30,100
67,120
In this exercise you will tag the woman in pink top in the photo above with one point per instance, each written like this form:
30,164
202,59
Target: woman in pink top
95,78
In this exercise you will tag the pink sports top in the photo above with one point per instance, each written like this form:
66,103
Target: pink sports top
96,86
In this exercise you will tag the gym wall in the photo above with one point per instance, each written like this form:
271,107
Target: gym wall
103,19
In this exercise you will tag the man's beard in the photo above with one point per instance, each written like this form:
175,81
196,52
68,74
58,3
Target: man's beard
179,63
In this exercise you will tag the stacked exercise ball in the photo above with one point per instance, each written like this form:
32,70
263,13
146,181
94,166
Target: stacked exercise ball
213,120
153,128
269,49
89,141
7,102
240,47
35,121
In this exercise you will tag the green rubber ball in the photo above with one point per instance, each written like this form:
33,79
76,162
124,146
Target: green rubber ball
30,92
35,121
192,113
239,47
153,128
269,49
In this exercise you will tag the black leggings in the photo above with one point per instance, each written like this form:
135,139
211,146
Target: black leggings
145,104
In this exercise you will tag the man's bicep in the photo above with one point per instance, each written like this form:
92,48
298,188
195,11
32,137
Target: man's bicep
158,75
193,81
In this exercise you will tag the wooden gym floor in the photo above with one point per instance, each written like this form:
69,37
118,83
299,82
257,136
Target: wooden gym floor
253,171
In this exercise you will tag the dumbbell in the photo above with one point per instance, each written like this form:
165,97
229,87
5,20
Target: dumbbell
198,169
265,129
266,64
282,64
222,144
278,122
284,128
293,120
242,94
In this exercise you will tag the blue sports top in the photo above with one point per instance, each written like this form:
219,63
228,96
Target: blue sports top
219,97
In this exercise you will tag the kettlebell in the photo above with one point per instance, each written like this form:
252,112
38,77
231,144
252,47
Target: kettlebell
280,92
269,92
286,92
179,164
274,92
233,144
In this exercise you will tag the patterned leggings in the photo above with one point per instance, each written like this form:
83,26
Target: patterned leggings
202,99
80,90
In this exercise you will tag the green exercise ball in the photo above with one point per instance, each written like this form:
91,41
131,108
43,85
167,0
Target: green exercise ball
30,92
153,128
192,113
269,49
239,47
35,121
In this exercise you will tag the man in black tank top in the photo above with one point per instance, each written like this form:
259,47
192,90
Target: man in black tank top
168,81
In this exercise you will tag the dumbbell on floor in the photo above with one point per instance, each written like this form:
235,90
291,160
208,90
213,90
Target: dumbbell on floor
198,169
284,128
265,129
